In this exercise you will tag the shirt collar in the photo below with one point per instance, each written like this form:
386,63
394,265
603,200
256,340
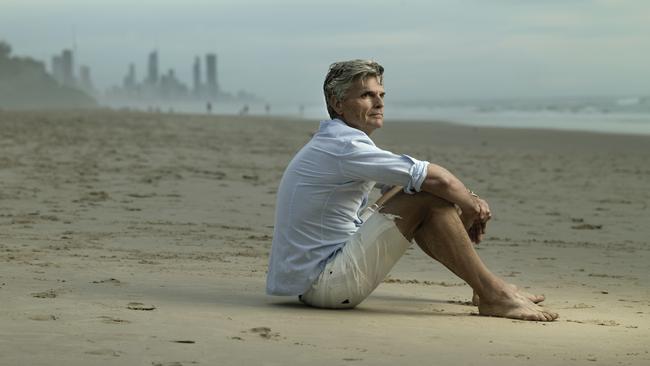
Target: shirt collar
333,123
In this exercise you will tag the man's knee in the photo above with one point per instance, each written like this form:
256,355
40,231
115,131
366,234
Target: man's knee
437,203
418,206
430,204
416,209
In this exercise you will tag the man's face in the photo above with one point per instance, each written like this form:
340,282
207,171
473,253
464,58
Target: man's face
363,106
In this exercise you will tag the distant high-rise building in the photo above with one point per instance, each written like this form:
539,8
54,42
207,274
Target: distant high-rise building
130,78
197,75
67,65
85,82
57,68
211,74
152,71
170,86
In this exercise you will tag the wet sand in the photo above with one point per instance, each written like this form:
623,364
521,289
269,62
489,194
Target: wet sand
142,239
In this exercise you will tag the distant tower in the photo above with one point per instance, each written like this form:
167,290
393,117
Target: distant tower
197,76
170,86
57,68
152,76
211,74
130,78
68,68
167,83
86,83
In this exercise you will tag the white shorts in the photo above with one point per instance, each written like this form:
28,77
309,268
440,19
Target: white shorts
360,266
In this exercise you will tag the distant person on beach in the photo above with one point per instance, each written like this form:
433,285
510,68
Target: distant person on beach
332,251
208,107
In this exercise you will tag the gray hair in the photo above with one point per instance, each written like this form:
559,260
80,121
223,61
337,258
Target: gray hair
342,75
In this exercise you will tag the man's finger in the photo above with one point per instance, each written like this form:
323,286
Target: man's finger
474,233
471,233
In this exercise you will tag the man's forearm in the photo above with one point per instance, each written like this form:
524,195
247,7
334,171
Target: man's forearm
440,182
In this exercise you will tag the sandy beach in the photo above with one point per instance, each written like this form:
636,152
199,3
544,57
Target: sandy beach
142,239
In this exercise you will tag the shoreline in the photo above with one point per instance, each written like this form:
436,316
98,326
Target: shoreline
297,118
596,125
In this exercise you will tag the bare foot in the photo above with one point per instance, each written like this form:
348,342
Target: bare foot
514,305
532,297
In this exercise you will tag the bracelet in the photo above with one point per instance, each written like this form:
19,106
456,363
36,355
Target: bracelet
472,193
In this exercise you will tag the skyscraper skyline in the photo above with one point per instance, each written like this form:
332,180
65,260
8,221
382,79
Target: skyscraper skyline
154,85
204,83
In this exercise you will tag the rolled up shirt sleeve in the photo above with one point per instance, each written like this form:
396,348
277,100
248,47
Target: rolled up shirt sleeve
364,160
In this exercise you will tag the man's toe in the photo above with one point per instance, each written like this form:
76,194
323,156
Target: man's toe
550,316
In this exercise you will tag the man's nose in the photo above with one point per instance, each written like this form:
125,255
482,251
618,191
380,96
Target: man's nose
378,102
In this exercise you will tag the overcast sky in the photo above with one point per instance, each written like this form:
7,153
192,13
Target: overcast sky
281,49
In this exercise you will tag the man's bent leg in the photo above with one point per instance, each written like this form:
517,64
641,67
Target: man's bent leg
438,230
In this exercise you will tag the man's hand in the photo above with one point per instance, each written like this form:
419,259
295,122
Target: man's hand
484,214
473,211
477,228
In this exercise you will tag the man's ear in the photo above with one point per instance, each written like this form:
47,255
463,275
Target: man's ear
336,105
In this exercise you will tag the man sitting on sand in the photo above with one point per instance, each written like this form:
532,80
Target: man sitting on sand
332,256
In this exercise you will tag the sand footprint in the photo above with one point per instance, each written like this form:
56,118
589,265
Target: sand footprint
49,294
43,317
140,306
104,352
605,323
111,320
113,281
264,332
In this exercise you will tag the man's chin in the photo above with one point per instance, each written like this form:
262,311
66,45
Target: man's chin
376,119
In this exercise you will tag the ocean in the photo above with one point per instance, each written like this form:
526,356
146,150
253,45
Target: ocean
626,115
614,115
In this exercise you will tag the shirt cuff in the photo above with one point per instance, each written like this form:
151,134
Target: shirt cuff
418,174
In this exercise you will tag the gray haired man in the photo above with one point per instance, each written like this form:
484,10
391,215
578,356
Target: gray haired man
330,255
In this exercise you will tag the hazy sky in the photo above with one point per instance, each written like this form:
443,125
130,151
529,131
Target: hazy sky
281,49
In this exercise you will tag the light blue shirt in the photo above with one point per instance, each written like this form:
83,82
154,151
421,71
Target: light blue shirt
319,199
